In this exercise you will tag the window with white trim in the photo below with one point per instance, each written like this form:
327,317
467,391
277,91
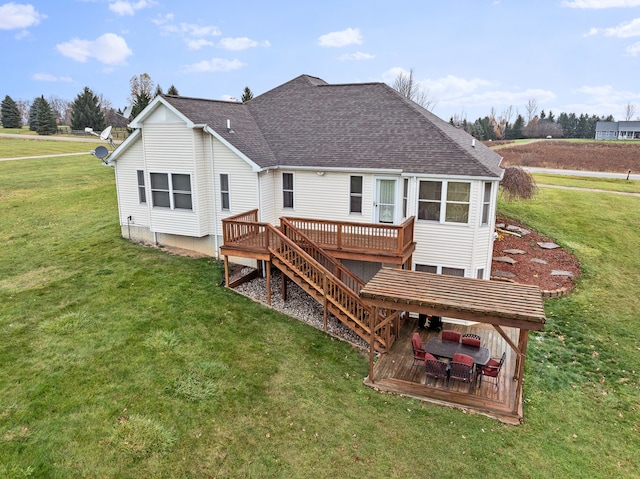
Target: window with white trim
287,190
355,194
171,190
453,271
405,197
429,268
486,203
444,201
224,192
142,193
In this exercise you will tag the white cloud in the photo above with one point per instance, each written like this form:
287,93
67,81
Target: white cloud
51,78
634,50
624,30
356,56
346,37
122,7
601,4
198,43
191,30
214,65
109,49
15,15
241,43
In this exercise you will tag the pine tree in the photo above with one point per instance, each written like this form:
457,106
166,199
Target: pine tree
10,113
246,95
142,100
45,121
33,114
173,91
86,112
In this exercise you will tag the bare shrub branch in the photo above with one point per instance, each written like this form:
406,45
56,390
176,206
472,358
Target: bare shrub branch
518,184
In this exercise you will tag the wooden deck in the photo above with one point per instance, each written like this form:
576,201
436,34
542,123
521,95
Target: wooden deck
397,372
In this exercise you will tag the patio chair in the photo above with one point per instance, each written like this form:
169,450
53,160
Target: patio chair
450,335
436,369
492,370
461,369
416,344
471,335
470,340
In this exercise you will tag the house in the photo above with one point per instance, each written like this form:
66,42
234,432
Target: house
618,130
349,153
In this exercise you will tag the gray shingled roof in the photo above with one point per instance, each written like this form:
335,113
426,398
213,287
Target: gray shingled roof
307,122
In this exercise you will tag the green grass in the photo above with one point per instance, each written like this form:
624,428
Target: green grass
121,361
610,184
17,148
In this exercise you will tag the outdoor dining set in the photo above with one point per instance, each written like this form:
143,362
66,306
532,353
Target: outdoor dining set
457,357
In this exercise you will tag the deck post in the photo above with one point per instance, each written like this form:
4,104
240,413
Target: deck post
522,346
372,325
226,270
268,273
284,286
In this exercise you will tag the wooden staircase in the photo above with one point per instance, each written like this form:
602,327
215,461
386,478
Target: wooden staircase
313,269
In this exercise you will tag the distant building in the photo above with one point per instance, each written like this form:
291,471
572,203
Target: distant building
618,130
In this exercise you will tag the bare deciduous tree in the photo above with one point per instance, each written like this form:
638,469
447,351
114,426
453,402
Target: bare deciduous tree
532,109
629,111
140,85
409,88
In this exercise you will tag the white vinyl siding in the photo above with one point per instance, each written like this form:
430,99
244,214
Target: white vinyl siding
126,173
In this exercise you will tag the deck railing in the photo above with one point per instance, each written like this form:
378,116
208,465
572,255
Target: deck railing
244,230
341,235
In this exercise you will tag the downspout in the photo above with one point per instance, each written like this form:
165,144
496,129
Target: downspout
215,204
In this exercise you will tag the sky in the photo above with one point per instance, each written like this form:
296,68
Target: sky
470,57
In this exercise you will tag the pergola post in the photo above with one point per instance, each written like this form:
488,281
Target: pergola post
522,347
372,326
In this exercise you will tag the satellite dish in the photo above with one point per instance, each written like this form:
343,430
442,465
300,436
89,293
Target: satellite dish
106,133
127,112
101,152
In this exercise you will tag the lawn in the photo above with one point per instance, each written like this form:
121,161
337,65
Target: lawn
16,148
123,361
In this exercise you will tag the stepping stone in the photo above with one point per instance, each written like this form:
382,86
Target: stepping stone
505,259
500,225
548,245
514,251
502,274
557,272
517,229
538,260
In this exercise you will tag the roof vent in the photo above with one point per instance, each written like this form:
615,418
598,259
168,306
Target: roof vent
473,142
229,130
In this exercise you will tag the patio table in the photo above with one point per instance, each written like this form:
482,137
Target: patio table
446,349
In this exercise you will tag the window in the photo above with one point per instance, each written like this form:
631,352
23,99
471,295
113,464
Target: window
454,208
287,190
355,195
171,190
429,199
486,203
142,194
453,271
224,191
405,197
427,268
480,273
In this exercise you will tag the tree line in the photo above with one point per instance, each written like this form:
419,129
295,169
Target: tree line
45,116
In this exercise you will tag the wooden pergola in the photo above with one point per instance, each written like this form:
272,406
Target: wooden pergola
500,304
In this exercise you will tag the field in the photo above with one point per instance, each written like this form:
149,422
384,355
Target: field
123,361
613,156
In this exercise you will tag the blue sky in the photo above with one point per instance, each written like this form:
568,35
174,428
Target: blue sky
470,56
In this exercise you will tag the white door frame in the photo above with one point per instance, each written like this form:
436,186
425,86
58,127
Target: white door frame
376,198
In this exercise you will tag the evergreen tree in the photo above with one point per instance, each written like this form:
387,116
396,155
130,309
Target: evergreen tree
246,95
159,91
10,114
142,100
516,131
45,121
173,91
33,114
86,112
